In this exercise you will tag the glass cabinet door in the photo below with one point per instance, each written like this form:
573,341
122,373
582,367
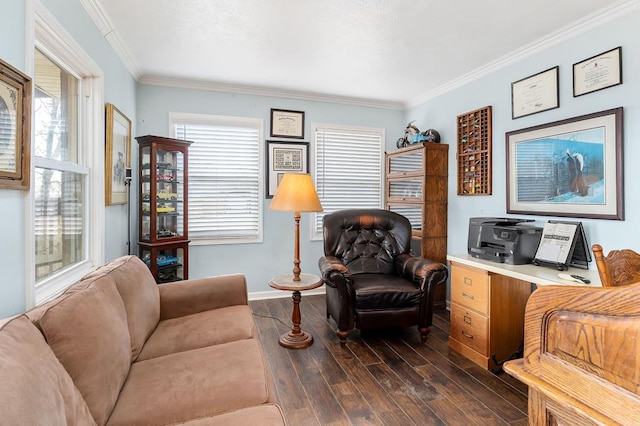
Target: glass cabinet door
400,165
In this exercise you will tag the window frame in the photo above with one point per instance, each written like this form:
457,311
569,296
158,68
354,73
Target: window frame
53,40
212,119
316,232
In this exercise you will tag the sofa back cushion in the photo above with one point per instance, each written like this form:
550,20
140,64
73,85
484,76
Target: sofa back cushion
35,388
87,330
140,295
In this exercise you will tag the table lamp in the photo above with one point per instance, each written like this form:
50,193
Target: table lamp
296,193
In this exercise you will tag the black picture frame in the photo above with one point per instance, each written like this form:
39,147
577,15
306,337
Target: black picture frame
284,157
598,72
286,123
537,93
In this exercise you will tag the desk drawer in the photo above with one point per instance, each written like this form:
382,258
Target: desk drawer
470,328
470,287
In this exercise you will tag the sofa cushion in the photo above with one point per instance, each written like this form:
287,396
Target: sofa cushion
199,330
140,295
263,415
87,330
35,388
194,384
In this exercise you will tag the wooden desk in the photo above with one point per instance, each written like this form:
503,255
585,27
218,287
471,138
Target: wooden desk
488,301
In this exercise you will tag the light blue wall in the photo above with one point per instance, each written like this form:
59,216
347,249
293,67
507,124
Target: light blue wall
259,262
495,90
120,89
12,295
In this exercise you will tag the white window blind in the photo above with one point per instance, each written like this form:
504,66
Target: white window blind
225,189
348,167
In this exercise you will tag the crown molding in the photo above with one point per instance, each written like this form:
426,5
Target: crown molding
589,22
267,91
97,14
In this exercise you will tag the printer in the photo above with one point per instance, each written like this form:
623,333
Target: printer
503,240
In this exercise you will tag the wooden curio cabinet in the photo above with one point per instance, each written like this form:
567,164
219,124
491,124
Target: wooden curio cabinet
416,186
162,227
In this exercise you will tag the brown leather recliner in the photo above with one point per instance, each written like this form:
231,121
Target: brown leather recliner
372,281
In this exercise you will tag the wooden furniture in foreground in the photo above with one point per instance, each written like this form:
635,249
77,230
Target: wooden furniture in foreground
581,358
296,338
488,301
619,267
416,186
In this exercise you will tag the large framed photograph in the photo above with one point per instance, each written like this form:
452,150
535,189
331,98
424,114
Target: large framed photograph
285,157
598,72
15,128
117,155
569,168
287,124
534,94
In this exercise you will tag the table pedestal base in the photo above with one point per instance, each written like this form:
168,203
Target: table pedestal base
296,341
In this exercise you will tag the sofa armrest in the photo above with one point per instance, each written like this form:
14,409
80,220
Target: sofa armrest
178,299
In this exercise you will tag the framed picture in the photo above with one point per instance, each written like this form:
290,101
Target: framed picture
15,128
534,94
570,168
117,155
287,124
285,157
598,72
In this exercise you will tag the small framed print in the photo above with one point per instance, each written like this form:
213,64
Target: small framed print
534,94
117,155
285,157
287,124
598,72
15,128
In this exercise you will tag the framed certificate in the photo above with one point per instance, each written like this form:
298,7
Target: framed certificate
598,72
287,124
534,94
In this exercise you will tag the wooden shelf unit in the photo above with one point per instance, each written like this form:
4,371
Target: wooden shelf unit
416,186
474,152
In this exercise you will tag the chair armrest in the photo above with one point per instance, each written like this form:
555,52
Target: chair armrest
330,266
422,272
181,298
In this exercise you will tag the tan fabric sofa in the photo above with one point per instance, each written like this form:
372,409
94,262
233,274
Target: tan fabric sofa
118,349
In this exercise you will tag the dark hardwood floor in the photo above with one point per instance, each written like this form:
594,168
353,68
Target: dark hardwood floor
380,378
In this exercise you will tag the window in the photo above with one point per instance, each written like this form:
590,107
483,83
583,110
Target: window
67,155
348,169
225,184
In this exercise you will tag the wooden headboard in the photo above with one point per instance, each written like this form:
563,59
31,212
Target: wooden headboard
581,356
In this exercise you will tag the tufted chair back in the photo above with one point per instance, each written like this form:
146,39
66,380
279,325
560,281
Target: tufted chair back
371,280
366,240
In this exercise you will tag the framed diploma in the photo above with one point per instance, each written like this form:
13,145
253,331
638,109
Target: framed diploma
534,94
287,124
598,72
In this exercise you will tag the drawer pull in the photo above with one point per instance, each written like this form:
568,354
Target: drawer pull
469,296
467,335
468,281
467,319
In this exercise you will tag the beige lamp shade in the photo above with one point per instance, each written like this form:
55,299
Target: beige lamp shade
296,193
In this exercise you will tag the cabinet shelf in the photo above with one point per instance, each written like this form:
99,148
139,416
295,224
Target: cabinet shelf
163,203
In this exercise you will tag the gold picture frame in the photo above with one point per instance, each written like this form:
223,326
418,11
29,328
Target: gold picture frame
15,128
117,155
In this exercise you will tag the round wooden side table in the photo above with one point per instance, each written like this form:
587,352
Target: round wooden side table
296,338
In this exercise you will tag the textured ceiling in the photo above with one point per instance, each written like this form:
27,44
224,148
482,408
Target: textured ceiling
396,51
